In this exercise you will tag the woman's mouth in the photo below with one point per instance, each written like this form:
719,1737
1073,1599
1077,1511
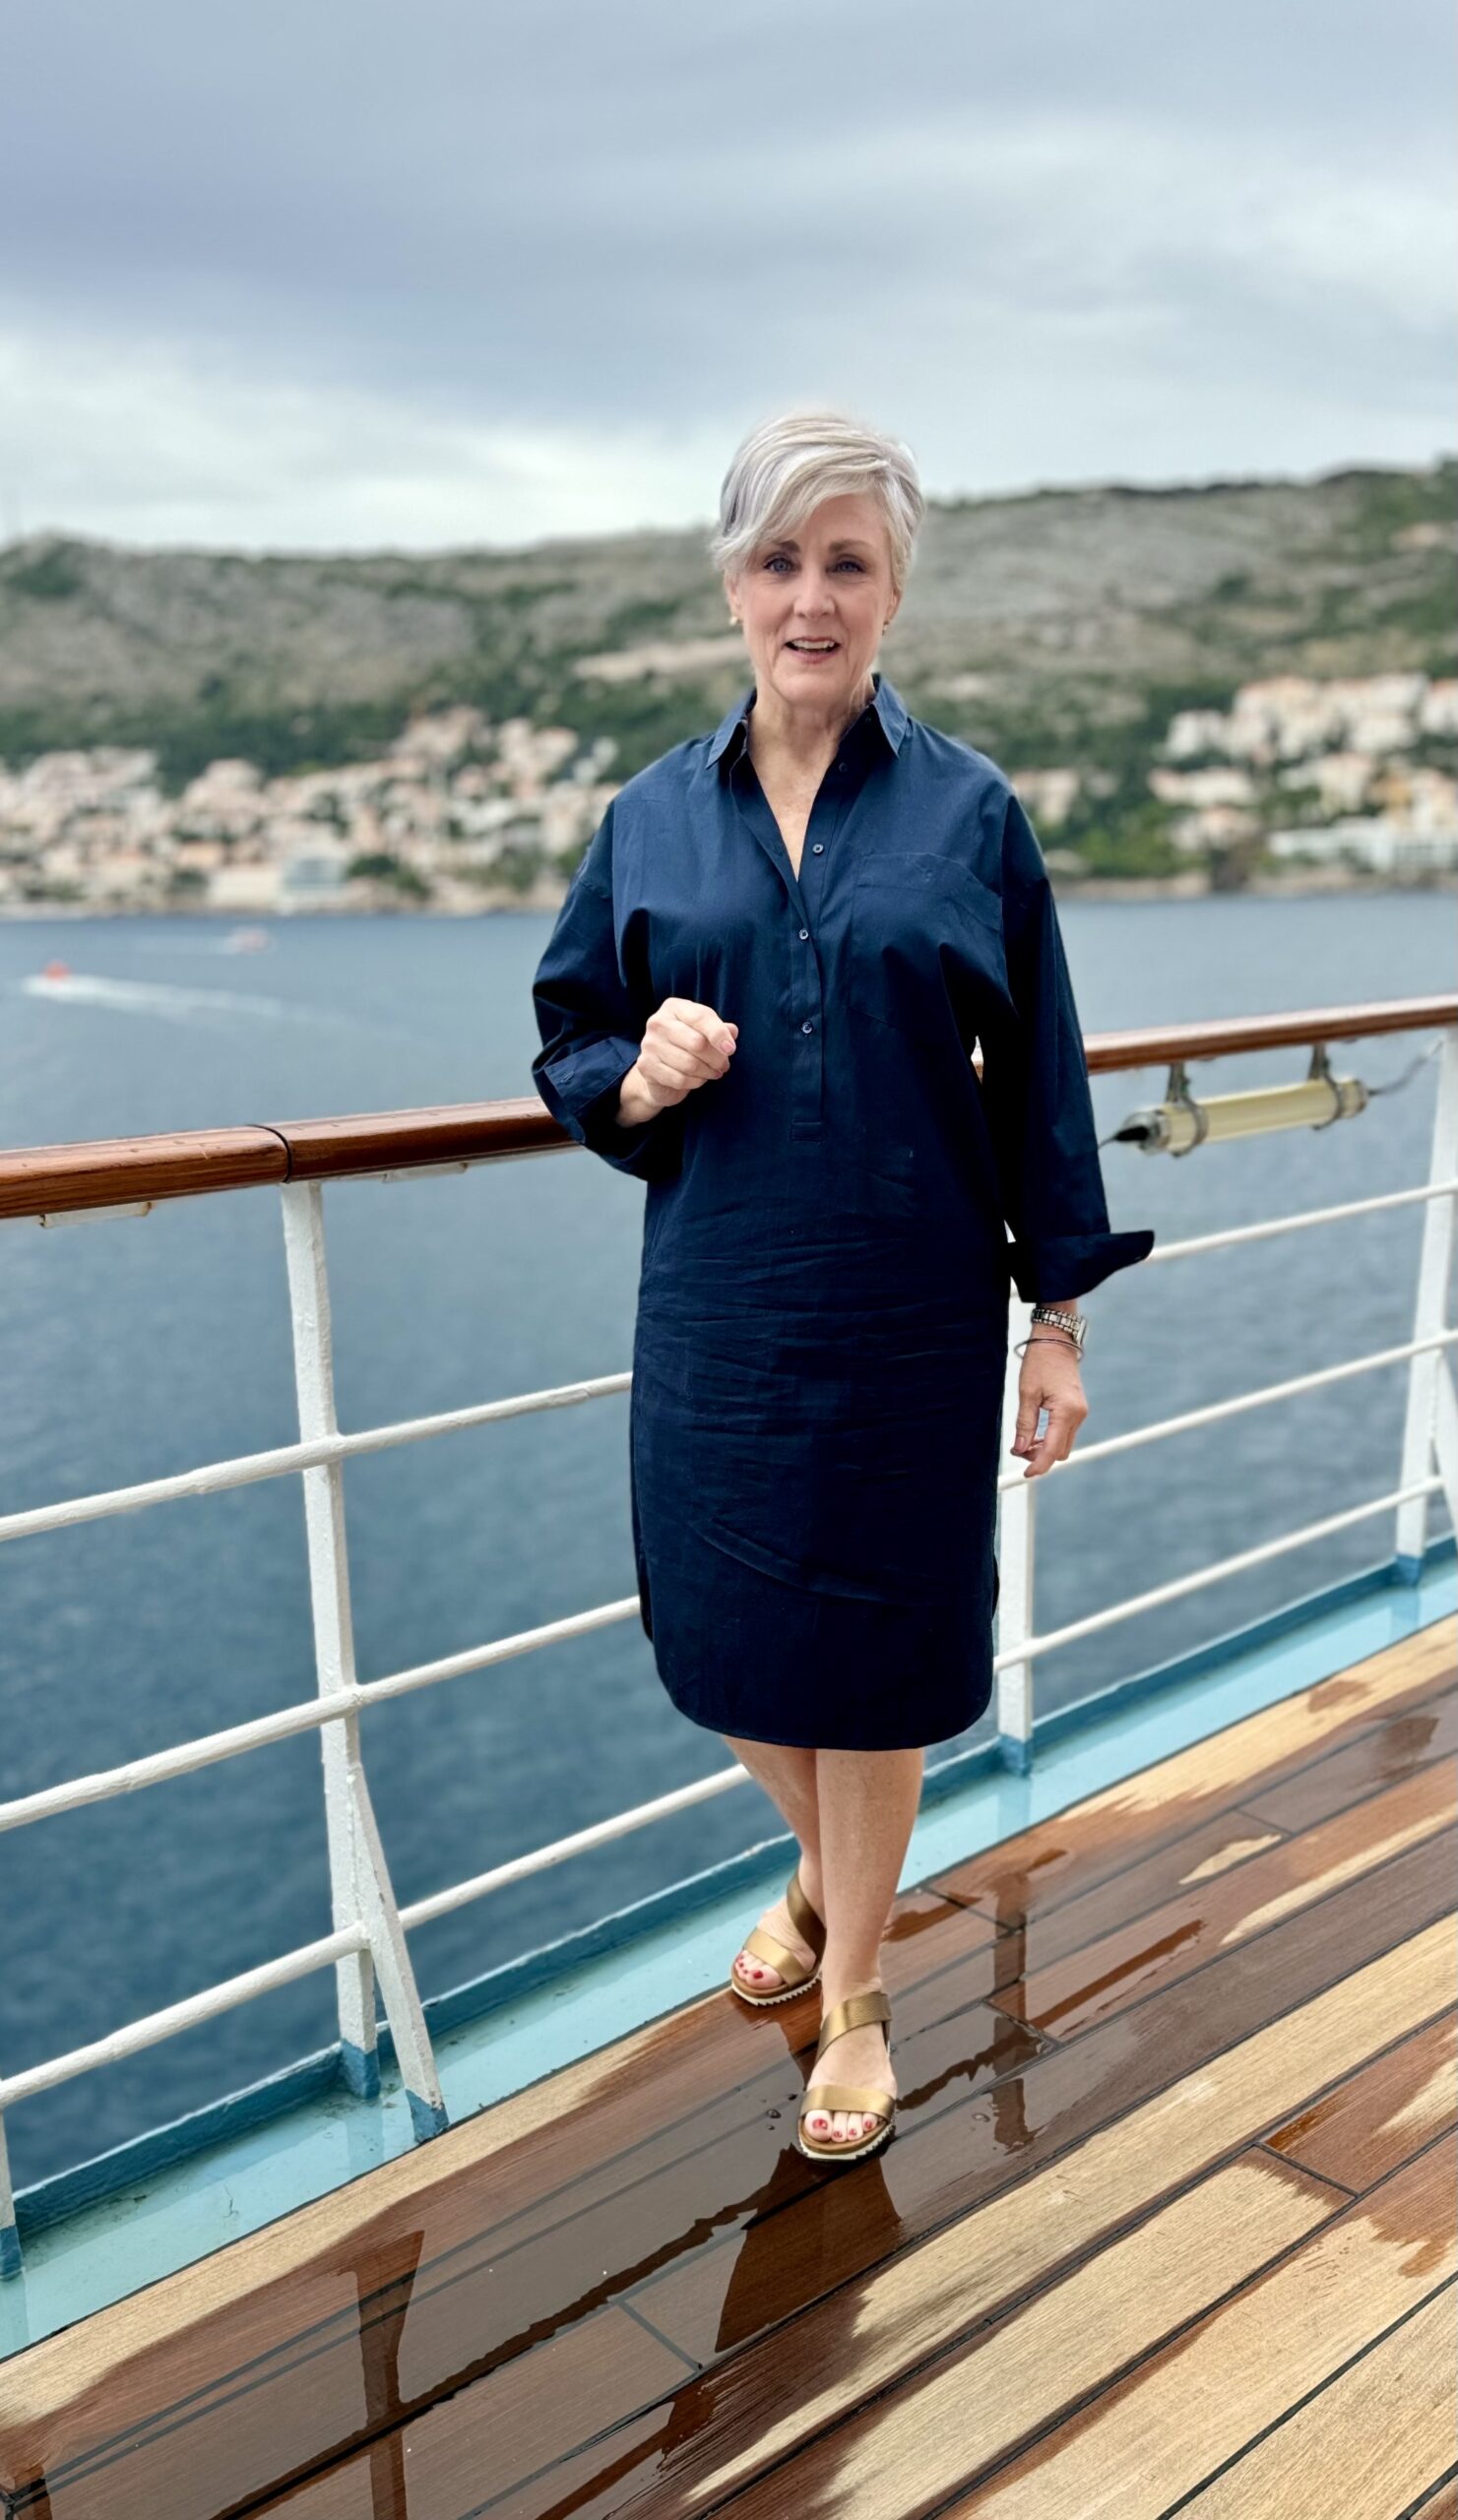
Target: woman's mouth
814,647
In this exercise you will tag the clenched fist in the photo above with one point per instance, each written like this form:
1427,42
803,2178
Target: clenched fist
684,1044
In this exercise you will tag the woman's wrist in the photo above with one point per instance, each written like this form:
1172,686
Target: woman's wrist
635,1103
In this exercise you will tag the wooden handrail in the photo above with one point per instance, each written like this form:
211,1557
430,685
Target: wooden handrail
186,1163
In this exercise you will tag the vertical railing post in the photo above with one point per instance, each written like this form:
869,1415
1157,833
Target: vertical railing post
1015,1560
1430,1426
360,1890
10,2238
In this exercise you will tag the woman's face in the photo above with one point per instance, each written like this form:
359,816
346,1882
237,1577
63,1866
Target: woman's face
813,606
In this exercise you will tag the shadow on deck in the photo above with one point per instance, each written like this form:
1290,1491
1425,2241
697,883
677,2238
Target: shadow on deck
1168,2219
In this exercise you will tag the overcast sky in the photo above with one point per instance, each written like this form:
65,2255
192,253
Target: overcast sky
335,274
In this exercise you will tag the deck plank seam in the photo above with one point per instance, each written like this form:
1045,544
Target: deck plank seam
1348,2194
1448,2284
1015,2307
1067,2040
985,2476
1043,2041
1274,1835
173,2415
1417,2510
692,2368
1420,1767
1052,2040
1278,1774
1120,2227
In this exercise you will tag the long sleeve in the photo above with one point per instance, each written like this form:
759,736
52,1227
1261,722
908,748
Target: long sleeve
592,1029
1035,1094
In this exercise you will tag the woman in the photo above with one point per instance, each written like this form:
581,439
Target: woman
761,997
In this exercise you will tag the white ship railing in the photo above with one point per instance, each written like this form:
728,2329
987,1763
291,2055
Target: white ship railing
368,1946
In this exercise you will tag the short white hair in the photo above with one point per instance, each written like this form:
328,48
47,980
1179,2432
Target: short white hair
785,467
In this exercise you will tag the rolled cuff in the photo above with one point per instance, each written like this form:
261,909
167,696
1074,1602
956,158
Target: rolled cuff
1073,1264
580,1088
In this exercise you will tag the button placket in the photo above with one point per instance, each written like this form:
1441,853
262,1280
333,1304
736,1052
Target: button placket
808,1074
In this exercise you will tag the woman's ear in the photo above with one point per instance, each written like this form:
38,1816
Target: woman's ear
730,588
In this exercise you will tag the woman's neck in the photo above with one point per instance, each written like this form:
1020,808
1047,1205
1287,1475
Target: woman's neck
800,739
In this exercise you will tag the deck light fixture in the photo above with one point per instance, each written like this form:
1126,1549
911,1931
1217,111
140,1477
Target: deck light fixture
1181,1124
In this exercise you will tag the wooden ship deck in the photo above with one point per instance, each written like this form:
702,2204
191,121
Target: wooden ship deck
1167,2223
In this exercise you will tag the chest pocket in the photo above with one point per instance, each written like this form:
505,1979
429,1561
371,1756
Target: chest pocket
925,941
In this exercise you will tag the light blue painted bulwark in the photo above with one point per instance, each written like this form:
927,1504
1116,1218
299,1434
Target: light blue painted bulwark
100,2231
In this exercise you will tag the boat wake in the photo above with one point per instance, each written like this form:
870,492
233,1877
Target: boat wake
174,1004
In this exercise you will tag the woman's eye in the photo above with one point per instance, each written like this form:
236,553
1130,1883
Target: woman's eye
781,559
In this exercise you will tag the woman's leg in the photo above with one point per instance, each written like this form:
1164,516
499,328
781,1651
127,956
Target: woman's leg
867,1803
787,1776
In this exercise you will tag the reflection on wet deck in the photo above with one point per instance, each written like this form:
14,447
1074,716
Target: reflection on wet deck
1168,2219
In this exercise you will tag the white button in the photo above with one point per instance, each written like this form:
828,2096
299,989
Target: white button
804,932
807,1028
817,849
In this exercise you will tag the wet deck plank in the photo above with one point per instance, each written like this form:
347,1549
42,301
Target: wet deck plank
1057,1857
1215,1916
1369,2443
1144,2443
1383,2114
625,2291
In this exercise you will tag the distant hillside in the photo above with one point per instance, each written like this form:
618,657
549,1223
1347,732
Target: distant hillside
1061,625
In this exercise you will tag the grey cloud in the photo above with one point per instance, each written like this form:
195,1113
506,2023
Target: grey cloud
663,217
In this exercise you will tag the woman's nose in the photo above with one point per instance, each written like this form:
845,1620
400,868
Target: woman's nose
816,596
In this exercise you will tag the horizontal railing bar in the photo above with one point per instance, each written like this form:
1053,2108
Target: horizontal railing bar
153,2026
478,1658
300,1963
1084,1455
1160,1044
1297,1222
1137,1603
183,1758
189,1163
249,1469
441,1903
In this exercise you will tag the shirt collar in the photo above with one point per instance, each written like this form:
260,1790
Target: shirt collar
885,708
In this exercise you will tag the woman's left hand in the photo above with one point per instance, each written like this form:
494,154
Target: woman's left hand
1049,1379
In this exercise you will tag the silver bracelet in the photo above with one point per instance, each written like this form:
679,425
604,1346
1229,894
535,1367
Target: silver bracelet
1039,1336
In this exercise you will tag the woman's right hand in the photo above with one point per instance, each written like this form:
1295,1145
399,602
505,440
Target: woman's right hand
684,1045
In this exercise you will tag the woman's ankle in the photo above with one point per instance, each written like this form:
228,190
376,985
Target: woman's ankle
837,1981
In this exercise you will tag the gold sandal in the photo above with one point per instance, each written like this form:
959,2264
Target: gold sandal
872,2003
793,1974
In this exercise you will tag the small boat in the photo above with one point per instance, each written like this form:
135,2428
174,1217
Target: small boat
247,940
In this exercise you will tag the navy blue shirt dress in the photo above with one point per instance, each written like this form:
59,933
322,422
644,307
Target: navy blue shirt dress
821,1342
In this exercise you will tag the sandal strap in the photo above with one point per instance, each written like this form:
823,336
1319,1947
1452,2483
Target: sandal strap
871,2004
861,2097
803,1917
789,1963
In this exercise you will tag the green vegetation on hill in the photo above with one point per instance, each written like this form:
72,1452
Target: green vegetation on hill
1064,626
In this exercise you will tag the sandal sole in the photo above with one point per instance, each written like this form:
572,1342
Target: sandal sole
846,2152
784,1996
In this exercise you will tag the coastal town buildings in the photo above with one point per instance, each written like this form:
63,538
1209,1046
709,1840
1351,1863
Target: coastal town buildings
461,815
